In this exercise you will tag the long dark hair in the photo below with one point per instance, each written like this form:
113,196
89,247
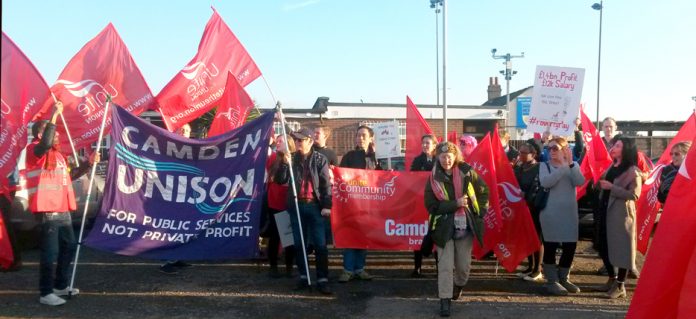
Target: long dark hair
629,153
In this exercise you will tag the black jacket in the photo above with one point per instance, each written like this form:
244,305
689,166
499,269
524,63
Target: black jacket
512,153
357,158
319,170
420,163
329,153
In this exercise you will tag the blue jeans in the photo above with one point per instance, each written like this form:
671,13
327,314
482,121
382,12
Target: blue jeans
57,244
354,260
313,227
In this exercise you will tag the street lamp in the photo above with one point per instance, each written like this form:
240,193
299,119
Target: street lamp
599,6
508,72
434,4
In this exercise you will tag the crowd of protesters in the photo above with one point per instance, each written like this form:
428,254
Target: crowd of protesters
547,170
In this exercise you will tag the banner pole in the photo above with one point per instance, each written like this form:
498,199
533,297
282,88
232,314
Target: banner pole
294,193
67,131
89,194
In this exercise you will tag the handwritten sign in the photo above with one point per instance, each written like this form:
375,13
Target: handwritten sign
556,99
387,140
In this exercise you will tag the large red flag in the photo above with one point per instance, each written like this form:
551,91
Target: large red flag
102,68
647,205
233,109
22,95
6,255
667,285
416,127
201,83
597,158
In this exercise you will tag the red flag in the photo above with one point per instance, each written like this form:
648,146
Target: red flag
359,219
233,109
597,159
201,83
509,229
102,68
647,205
452,137
22,96
667,285
416,127
6,255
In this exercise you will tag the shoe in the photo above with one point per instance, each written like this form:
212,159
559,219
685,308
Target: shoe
273,273
51,300
416,273
66,292
563,274
345,277
181,264
323,288
602,271
445,307
456,292
607,286
634,274
617,291
552,286
521,275
533,277
168,269
363,275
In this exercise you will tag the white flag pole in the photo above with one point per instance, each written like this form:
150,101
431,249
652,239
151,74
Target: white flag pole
294,195
89,194
67,131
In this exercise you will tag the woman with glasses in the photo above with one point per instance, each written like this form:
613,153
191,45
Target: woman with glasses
619,189
668,173
559,219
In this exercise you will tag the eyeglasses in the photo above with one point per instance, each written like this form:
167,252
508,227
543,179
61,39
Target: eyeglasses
675,154
555,148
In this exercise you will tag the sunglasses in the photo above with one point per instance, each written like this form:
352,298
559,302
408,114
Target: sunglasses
675,154
554,148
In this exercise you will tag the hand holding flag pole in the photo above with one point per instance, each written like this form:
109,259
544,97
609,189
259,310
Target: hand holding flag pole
65,125
294,191
89,194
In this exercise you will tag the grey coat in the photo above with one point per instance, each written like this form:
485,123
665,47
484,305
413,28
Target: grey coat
621,218
559,219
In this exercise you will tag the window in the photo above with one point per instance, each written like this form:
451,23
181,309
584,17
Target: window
293,126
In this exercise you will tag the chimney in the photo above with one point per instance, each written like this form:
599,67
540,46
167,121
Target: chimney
494,89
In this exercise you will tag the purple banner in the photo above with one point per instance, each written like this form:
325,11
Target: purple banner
170,197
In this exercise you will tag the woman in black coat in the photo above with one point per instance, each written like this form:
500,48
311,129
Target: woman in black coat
423,162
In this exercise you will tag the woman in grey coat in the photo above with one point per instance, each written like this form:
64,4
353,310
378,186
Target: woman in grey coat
620,188
559,219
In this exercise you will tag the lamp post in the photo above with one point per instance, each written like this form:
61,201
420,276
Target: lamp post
599,6
434,4
508,72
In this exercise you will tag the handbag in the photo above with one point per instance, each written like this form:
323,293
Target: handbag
541,197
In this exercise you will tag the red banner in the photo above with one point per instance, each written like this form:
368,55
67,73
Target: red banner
667,285
22,96
102,68
509,231
233,109
597,158
378,209
647,205
6,255
201,83
416,127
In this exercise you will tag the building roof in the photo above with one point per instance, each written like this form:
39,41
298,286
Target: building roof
502,100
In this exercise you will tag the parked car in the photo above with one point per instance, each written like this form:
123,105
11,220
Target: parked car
397,163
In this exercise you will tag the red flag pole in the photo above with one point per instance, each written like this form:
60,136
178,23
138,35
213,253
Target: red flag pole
89,194
67,131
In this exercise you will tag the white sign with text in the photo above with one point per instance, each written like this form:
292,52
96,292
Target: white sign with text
556,99
387,141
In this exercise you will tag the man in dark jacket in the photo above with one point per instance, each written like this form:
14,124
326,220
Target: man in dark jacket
313,188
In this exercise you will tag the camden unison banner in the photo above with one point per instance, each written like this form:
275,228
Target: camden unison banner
170,197
378,209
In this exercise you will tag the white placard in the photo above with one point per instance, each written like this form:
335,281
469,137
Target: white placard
387,141
284,228
556,99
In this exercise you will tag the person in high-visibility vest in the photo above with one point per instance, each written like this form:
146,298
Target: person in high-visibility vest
51,198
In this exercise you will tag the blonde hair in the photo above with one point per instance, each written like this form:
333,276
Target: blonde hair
682,146
448,147
560,141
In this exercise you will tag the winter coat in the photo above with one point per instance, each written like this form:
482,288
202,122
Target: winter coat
621,218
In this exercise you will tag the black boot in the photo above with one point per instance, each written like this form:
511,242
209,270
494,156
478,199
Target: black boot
456,292
445,307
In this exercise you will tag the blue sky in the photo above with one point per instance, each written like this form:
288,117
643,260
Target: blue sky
380,51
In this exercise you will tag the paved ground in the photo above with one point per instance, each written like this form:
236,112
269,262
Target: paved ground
125,287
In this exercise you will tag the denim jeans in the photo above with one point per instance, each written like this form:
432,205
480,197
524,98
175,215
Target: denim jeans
57,244
354,260
312,227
